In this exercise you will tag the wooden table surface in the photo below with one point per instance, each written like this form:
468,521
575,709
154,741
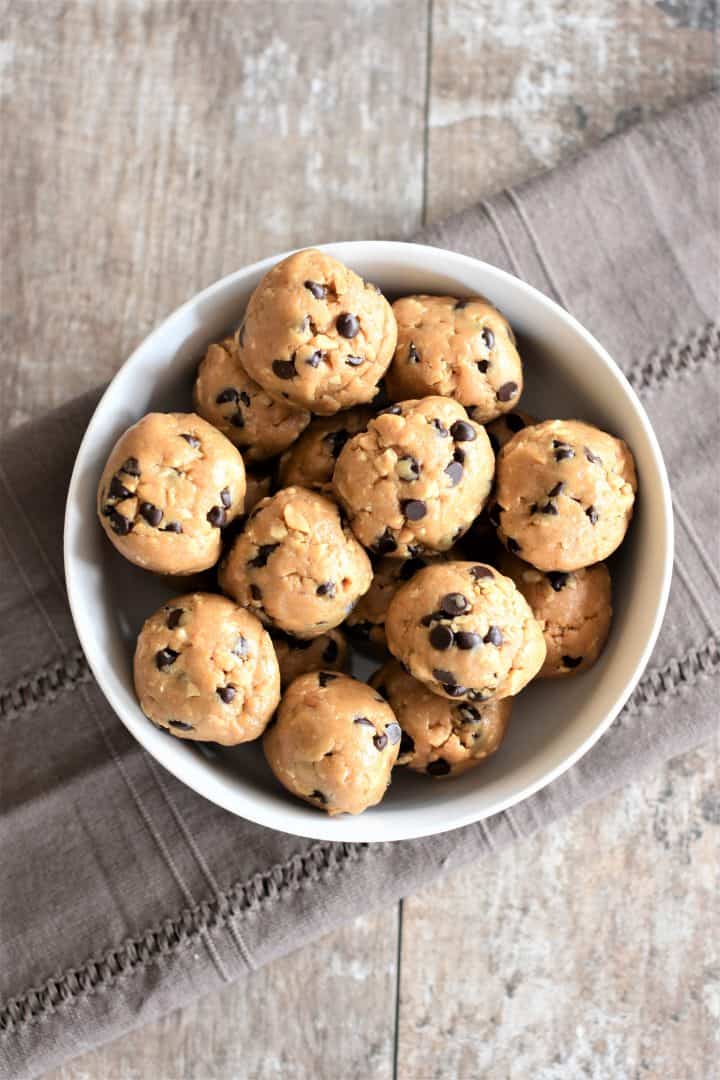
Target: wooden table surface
151,146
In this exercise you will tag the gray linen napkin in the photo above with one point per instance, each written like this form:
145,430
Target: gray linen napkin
125,895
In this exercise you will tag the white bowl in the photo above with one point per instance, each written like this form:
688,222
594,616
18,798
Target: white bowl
568,374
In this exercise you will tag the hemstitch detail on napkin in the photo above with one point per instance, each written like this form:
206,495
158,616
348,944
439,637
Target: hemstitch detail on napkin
260,891
29,691
700,347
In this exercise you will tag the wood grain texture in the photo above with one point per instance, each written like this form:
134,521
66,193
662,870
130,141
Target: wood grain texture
151,146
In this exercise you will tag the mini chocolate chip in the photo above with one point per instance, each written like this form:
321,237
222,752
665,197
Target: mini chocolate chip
284,369
256,592
363,720
174,618
507,391
557,490
493,442
462,431
564,453
131,466
119,523
216,516
592,458
459,455
172,527
241,647
413,355
460,304
407,744
478,572
226,693
441,638
331,651
326,589
557,579
318,290
454,471
464,639
493,636
439,767
482,365
488,337
394,732
354,361
245,398
180,725
408,468
325,677
165,658
263,554
446,678
469,715
514,422
117,490
348,325
572,661
319,796
237,419
549,508
226,395
477,695
192,440
390,410
336,440
315,359
440,428
410,567
592,514
455,603
226,497
152,514
512,545
385,543
380,741
494,514
413,509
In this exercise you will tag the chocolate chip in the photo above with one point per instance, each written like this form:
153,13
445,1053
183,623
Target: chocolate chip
241,647
438,768
413,355
380,741
454,471
459,455
325,677
180,725
407,744
572,661
216,516
191,440
284,369
408,468
507,391
117,490
172,527
226,694
469,715
440,428
315,359
318,290
557,579
226,395
482,365
165,658
363,720
564,453
319,796
390,410
131,466
479,572
237,419
152,514
460,304
385,543
226,497
446,678
493,636
455,603
493,442
477,695
410,567
462,431
488,337
256,592
441,638
549,508
331,651
466,640
514,422
348,325
354,361
512,545
592,514
413,509
592,458
263,554
557,490
119,523
174,617
394,733
326,589
533,508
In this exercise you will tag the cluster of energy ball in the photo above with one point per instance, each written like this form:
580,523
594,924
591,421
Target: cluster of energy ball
441,526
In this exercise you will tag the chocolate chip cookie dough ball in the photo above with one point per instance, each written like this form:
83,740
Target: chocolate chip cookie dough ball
564,494
310,461
295,565
466,632
317,335
206,669
416,479
464,349
367,619
574,610
334,743
171,483
501,430
295,657
439,737
228,398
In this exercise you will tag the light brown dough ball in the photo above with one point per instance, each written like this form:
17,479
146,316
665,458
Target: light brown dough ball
416,479
310,462
317,335
465,631
464,349
439,737
296,657
367,619
295,565
206,669
564,494
171,483
228,398
501,430
574,610
334,743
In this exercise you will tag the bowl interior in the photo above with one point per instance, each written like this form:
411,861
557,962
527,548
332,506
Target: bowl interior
567,375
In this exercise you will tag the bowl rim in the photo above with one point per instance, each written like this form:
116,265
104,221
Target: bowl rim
327,828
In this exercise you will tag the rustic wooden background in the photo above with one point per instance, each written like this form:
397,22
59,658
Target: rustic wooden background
150,146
